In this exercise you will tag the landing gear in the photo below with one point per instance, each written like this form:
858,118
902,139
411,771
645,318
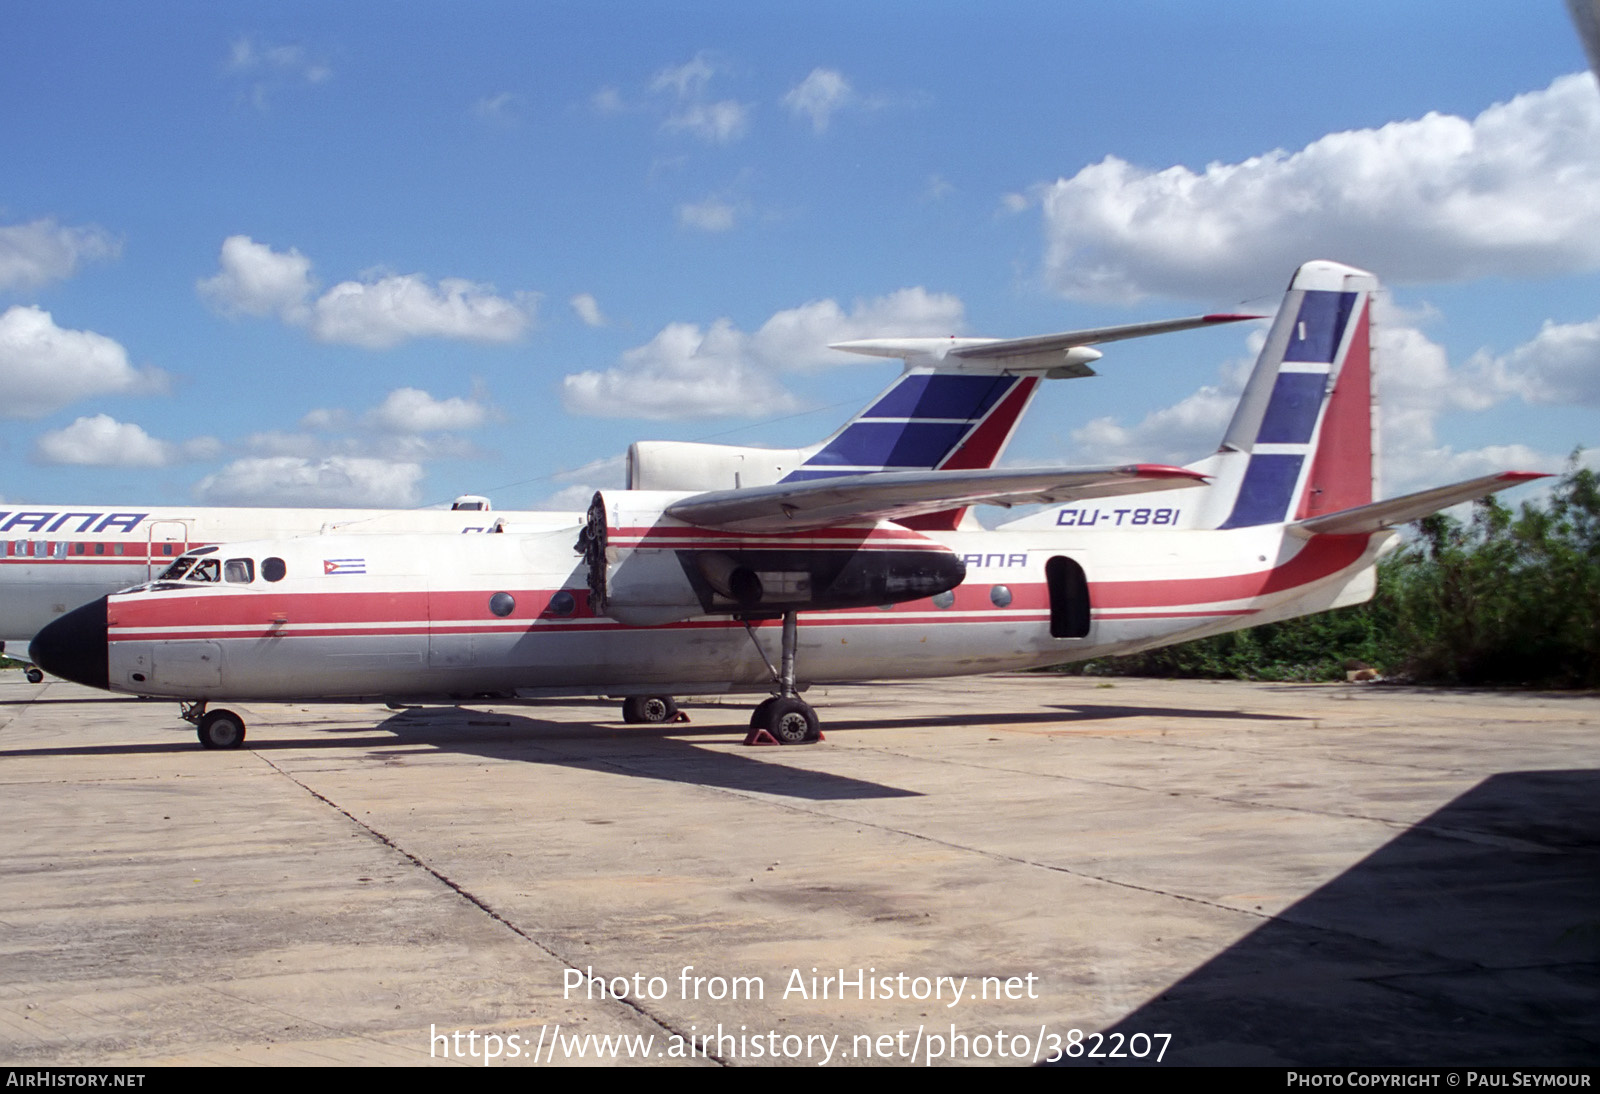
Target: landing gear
221,729
33,675
649,709
791,721
216,729
785,717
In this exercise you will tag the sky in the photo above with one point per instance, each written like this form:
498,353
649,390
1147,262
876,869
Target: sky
384,254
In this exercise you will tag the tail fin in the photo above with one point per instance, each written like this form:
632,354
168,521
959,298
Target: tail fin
928,419
1302,440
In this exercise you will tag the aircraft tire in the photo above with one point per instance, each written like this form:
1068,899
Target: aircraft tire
34,676
792,721
649,709
221,729
758,716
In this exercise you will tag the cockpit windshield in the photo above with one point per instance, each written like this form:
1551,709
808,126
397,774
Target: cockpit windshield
176,571
207,569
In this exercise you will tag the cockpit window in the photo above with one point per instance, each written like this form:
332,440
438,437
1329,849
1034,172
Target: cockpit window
207,569
176,571
239,571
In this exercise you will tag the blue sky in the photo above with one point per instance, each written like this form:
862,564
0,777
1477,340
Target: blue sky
382,254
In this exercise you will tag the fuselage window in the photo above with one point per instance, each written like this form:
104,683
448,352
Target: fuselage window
1000,596
562,604
502,604
99,548
116,549
239,571
273,569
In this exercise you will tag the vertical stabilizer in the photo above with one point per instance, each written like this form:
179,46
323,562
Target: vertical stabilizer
1301,441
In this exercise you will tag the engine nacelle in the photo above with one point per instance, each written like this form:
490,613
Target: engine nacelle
695,466
646,568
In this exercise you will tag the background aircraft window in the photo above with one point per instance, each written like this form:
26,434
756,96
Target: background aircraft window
273,569
166,548
99,548
116,548
206,570
561,604
1000,596
944,599
239,571
502,603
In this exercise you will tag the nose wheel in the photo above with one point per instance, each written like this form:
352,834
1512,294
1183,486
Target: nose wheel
217,729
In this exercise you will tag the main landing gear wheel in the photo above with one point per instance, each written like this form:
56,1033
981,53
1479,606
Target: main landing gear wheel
221,729
33,675
791,721
649,709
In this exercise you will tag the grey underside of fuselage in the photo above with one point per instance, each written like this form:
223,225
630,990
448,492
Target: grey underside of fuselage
712,659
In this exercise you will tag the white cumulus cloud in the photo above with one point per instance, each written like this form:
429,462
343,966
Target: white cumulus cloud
256,280
711,215
44,367
43,251
1559,366
587,308
102,441
818,97
383,313
720,122
1514,191
691,371
314,481
411,410
693,112
376,313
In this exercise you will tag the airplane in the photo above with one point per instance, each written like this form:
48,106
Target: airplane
955,404
672,592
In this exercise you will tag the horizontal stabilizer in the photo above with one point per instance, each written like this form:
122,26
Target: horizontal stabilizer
1066,353
895,495
1378,515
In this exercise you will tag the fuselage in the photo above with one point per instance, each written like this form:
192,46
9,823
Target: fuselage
396,616
56,557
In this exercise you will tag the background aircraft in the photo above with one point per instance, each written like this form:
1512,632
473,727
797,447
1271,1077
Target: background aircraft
956,405
667,593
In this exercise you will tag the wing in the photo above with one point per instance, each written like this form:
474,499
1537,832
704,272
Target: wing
1378,515
895,495
1057,355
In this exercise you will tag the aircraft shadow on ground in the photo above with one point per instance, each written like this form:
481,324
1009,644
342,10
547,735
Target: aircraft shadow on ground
584,745
1472,938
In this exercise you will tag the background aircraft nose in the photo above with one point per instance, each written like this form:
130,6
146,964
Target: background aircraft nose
74,647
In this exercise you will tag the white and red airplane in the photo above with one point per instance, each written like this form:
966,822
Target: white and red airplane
962,397
670,592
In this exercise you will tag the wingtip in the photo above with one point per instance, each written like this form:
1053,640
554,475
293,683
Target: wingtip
1166,471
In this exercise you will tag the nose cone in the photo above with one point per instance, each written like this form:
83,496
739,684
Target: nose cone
74,646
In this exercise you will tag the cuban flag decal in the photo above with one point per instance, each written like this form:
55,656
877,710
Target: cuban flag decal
344,565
